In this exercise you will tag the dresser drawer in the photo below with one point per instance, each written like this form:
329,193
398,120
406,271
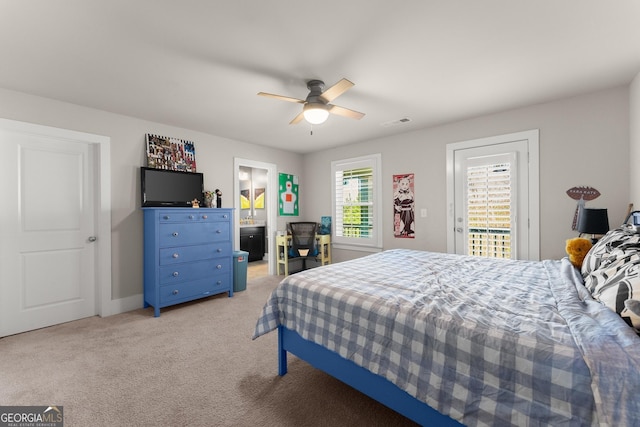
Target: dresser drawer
185,272
192,216
184,254
172,294
179,234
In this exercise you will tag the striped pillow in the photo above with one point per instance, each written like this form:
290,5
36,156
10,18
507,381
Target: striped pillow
604,246
613,274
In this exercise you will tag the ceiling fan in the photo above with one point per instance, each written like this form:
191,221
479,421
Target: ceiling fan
316,107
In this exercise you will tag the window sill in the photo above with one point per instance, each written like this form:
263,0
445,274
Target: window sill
358,248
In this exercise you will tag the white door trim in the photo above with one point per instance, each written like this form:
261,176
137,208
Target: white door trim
533,166
102,200
272,218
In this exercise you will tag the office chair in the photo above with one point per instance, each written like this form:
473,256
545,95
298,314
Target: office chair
303,241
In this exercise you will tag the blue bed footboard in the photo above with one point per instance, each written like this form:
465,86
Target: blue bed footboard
372,385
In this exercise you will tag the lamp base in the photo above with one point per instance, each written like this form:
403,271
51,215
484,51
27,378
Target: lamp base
593,238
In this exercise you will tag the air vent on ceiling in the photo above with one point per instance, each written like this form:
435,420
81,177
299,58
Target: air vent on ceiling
398,122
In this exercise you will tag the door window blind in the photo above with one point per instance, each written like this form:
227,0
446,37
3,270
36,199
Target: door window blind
489,209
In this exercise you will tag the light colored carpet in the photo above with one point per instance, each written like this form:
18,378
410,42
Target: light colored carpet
195,365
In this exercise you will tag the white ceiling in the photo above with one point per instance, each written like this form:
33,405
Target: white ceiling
198,64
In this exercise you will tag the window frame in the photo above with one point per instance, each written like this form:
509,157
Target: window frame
373,243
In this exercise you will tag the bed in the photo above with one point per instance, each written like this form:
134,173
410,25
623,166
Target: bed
448,340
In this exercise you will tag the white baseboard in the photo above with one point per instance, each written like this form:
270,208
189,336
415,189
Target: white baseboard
123,305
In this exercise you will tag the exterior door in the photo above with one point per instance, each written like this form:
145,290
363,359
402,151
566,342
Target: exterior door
492,193
487,201
47,260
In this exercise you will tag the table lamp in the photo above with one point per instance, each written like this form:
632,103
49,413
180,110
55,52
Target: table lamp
593,221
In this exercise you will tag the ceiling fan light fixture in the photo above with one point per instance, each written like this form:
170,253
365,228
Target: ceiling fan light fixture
315,113
316,108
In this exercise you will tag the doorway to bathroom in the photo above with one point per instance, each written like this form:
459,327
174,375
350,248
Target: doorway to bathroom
255,213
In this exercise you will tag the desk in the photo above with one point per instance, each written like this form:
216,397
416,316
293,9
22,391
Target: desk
282,250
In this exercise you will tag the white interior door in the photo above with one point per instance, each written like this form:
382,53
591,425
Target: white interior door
47,258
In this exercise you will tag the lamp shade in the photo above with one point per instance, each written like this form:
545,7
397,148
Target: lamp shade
593,221
315,113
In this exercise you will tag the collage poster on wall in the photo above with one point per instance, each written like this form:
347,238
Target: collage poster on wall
170,154
288,195
403,206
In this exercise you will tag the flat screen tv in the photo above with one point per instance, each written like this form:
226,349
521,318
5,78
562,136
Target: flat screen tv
165,188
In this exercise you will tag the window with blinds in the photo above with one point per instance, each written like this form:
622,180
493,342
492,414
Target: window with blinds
356,201
489,209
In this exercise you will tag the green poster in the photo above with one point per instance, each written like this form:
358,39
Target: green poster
288,192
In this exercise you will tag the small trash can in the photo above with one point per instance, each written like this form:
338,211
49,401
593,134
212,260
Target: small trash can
240,261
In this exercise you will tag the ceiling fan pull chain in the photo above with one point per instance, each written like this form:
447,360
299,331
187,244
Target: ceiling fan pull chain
311,133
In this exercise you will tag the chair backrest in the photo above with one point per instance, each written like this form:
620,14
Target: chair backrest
303,238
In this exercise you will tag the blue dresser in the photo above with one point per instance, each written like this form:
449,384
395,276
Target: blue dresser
188,254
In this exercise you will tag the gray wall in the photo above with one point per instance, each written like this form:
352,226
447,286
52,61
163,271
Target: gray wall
214,157
634,142
583,141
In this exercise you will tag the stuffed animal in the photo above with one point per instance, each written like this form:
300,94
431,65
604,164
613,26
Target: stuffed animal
577,249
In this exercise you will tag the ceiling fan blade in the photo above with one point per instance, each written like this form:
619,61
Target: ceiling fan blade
345,112
282,98
297,119
336,90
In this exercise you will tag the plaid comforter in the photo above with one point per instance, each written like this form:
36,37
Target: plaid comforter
487,342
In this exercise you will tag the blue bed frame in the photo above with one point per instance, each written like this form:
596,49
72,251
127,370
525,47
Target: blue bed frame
373,385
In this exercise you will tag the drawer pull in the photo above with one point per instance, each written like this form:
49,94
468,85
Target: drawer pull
218,231
190,216
219,282
176,256
175,292
166,217
176,274
174,234
205,216
218,266
219,250
225,216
